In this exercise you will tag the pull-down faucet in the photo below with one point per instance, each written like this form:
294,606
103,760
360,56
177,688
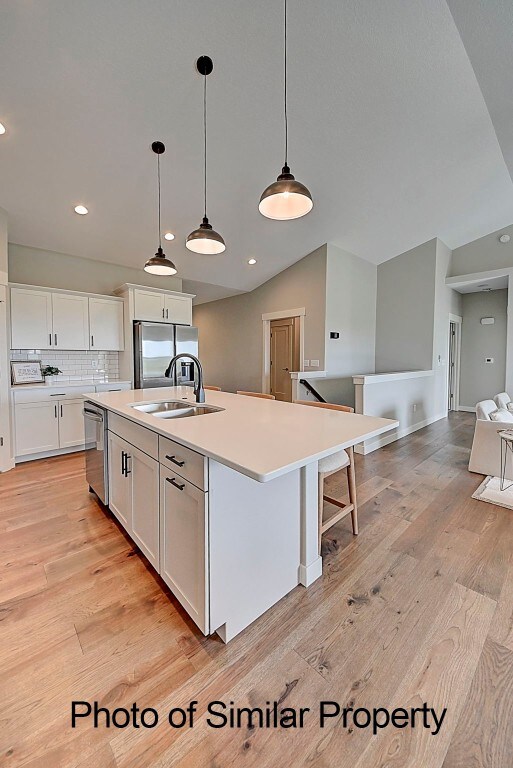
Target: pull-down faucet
198,388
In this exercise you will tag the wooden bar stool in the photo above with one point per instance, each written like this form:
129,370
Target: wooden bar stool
327,467
256,394
214,389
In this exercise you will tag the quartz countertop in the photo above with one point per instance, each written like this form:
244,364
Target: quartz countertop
257,437
70,383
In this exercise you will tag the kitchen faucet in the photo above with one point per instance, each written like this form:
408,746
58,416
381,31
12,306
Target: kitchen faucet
198,389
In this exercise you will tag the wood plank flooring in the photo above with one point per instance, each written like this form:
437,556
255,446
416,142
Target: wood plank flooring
418,607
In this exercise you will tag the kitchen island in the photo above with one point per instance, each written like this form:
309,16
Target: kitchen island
224,504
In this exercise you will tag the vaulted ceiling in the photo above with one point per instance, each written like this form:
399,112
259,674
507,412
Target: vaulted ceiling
388,126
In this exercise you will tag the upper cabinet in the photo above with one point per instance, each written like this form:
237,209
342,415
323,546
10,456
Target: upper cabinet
106,324
160,307
46,319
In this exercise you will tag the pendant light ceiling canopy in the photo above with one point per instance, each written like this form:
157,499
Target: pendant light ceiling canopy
286,198
205,240
159,264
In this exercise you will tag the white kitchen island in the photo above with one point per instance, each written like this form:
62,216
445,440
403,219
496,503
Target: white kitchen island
224,505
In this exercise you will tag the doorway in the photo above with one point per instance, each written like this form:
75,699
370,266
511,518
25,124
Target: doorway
453,366
284,356
298,334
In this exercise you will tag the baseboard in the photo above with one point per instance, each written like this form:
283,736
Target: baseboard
379,442
7,466
309,573
467,408
49,454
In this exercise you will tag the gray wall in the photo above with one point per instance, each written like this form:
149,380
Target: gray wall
483,254
480,380
405,310
351,310
35,266
230,330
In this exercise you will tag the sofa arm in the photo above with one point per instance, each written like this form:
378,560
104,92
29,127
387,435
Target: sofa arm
485,456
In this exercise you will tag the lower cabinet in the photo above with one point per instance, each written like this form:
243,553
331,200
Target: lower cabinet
134,494
71,423
184,544
37,428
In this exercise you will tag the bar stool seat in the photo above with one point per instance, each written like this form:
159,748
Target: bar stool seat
333,463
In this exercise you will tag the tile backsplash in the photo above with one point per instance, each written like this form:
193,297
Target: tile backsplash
75,366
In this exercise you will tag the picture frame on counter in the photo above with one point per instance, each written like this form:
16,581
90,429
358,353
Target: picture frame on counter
26,372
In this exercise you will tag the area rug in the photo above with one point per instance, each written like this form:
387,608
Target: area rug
490,491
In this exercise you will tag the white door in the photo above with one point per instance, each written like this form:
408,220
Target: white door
31,319
106,325
36,427
178,309
71,423
120,482
70,321
183,545
149,306
145,504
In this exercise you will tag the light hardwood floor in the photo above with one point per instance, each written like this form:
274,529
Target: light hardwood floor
418,608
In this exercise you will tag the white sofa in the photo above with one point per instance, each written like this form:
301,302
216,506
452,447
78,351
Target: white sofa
485,456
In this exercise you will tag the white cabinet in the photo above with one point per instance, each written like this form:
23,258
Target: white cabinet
162,307
71,423
149,305
178,309
31,319
70,321
134,494
184,544
37,427
106,324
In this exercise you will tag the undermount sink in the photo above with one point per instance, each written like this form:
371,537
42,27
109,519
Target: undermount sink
175,409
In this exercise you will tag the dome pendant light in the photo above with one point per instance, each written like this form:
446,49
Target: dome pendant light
159,264
286,198
205,240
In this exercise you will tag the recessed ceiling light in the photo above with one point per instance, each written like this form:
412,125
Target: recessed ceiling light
504,239
2,128
169,236
81,210
252,261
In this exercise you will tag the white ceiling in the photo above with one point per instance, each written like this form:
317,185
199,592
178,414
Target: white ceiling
388,128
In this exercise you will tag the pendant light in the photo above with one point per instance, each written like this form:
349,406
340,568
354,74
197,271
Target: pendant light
286,198
205,240
159,264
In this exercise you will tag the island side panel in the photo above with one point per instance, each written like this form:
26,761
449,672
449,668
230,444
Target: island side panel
311,561
254,534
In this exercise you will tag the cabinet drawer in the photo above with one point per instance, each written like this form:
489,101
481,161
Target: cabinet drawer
185,462
51,394
142,438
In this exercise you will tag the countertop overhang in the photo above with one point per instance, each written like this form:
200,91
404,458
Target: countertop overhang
260,438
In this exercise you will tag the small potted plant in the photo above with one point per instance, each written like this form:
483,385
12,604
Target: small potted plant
50,370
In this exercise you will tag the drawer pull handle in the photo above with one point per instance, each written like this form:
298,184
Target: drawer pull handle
175,461
177,485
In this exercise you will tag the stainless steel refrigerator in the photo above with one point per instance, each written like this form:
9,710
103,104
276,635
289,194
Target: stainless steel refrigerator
154,346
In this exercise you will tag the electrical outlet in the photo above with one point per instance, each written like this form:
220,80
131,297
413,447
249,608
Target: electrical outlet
94,363
314,363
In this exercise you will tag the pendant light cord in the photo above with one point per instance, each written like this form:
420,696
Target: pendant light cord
285,86
205,139
158,179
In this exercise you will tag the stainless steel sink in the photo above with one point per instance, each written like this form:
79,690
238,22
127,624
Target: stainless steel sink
175,409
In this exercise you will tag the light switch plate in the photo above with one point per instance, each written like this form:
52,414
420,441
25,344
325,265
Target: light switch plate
489,360
306,364
314,363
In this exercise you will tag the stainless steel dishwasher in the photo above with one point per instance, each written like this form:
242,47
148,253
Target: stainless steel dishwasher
95,421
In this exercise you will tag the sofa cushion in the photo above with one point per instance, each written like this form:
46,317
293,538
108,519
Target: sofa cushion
485,408
502,414
510,406
502,400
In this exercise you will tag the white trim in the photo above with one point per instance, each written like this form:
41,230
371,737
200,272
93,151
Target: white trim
372,445
127,286
458,320
24,286
467,408
266,340
378,378
474,277
49,454
308,374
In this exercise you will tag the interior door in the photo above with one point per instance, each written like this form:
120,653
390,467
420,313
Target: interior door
106,324
31,319
70,321
71,423
283,342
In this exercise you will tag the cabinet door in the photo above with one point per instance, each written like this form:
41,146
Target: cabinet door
148,306
183,545
36,427
31,319
71,423
106,325
70,321
145,504
120,483
178,309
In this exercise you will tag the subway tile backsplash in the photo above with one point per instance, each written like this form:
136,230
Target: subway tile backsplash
75,366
